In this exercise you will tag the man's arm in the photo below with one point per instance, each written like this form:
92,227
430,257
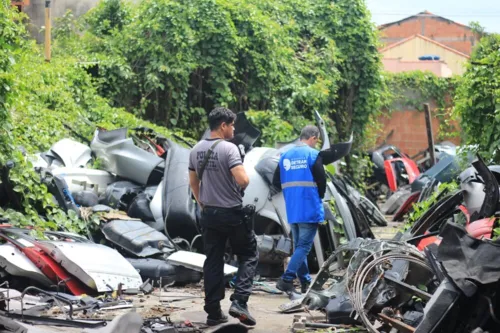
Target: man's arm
236,166
319,176
277,178
194,182
240,175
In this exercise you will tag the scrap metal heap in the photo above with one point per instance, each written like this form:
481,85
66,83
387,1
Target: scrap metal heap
391,286
441,275
130,191
135,182
63,279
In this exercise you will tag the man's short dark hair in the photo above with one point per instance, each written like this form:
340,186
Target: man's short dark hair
220,115
308,132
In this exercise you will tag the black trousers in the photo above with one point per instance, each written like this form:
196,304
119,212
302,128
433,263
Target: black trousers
219,225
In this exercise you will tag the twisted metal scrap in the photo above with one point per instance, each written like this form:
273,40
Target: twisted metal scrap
357,280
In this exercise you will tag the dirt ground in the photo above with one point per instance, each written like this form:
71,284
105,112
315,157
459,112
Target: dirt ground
389,231
264,307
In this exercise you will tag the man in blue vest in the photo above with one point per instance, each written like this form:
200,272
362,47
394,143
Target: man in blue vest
303,181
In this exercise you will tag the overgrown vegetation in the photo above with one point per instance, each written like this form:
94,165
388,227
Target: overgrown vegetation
478,98
420,208
38,100
413,89
274,128
173,61
10,42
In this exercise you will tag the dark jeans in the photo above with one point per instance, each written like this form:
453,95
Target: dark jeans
219,225
303,238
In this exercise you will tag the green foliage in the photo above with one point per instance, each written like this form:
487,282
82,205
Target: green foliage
478,98
11,35
338,226
496,231
362,169
420,208
48,97
477,28
12,48
273,128
360,86
108,16
51,95
413,89
173,61
64,26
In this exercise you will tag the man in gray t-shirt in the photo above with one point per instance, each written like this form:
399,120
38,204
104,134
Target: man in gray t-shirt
218,190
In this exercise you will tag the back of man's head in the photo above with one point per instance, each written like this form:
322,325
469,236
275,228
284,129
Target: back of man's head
308,132
220,115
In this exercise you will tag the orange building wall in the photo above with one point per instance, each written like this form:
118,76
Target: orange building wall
454,35
410,133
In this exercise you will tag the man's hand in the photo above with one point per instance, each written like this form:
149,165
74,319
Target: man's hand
240,175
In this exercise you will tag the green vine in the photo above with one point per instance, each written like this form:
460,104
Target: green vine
172,61
478,98
11,40
338,226
418,209
48,97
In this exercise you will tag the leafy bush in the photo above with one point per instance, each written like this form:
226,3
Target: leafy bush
273,128
49,98
173,61
418,209
10,40
478,98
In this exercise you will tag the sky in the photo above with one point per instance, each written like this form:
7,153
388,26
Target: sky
486,12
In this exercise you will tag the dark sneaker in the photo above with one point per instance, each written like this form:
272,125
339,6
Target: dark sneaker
240,310
304,287
216,319
285,286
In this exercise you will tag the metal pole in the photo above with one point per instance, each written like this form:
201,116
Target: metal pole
47,30
430,137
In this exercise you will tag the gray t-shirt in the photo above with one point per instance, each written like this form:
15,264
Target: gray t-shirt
218,186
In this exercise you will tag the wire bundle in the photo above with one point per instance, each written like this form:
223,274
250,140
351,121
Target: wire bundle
355,283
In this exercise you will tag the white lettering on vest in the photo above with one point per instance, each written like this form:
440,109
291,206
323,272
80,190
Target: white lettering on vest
298,164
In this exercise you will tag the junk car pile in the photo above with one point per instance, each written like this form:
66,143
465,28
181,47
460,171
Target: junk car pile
441,275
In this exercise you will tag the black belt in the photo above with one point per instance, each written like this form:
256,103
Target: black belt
225,209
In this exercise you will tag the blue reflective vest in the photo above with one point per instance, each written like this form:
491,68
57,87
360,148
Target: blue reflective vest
303,204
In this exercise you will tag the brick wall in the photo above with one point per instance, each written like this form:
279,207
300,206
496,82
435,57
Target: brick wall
454,35
410,133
